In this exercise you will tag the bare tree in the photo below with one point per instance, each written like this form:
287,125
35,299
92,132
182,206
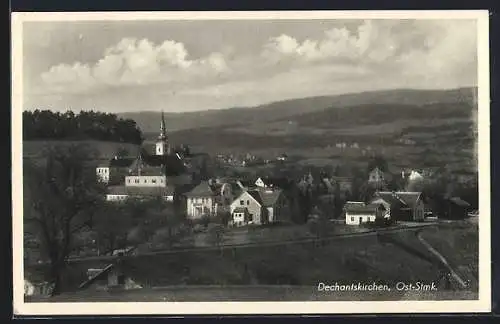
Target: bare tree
60,197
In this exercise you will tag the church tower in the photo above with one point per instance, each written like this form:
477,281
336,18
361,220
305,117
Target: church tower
162,145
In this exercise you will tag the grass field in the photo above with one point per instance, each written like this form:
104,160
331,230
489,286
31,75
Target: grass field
362,259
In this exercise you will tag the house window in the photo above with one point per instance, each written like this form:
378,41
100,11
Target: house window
161,180
352,219
136,180
128,180
242,202
250,217
153,180
248,202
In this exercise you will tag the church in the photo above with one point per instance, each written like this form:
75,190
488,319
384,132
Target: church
148,176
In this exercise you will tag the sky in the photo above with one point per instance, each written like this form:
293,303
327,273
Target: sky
180,66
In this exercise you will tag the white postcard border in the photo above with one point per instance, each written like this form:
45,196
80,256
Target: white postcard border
483,304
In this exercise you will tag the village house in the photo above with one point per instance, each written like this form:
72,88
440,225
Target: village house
208,198
259,206
457,208
357,213
269,182
113,171
376,178
401,205
450,208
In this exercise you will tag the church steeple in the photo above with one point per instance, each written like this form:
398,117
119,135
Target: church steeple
162,146
163,129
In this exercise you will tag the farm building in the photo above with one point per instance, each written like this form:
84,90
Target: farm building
357,213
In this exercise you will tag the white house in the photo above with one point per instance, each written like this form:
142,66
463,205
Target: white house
260,206
109,170
207,199
357,213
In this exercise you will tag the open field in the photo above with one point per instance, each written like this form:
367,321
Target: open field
356,259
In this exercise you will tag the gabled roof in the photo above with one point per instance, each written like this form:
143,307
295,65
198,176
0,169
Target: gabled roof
402,198
361,207
201,190
269,198
255,195
170,165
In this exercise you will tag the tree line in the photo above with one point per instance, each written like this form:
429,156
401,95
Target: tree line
46,124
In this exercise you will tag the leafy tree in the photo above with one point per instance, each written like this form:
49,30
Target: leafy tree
61,196
45,124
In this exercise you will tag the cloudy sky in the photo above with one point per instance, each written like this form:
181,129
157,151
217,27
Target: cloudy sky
196,65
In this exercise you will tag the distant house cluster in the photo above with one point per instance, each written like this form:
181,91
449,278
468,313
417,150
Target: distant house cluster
169,174
247,203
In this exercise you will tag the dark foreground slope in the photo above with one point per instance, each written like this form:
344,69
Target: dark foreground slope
365,259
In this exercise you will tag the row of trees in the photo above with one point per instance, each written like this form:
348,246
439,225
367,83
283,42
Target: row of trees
46,124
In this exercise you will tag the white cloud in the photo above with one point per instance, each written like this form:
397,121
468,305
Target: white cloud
133,61
377,54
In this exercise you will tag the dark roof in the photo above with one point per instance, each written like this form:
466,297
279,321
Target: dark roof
360,207
405,199
147,171
265,198
201,190
255,195
118,162
169,165
140,191
247,183
269,198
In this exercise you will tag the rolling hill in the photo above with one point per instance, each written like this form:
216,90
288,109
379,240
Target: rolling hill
149,121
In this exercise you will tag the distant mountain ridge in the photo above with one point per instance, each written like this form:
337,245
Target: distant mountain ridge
148,121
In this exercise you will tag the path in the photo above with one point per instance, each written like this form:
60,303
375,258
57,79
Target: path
463,283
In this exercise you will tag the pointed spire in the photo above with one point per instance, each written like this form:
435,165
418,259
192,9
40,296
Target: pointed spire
163,128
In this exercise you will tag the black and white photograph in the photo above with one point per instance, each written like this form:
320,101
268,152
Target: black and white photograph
257,162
